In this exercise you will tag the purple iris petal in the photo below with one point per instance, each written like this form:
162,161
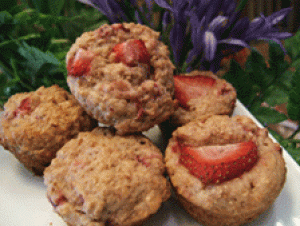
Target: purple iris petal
177,36
240,28
228,6
233,41
111,9
219,21
198,30
276,17
278,35
213,10
256,24
166,20
138,17
210,45
88,2
116,9
192,55
163,4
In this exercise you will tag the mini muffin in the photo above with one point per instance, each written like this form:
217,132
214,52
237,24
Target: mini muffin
122,76
101,178
225,171
35,125
199,94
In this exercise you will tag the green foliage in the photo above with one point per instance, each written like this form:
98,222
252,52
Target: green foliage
293,106
262,86
34,42
259,86
288,144
293,48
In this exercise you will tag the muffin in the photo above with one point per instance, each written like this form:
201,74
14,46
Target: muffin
122,75
199,95
225,171
35,125
101,178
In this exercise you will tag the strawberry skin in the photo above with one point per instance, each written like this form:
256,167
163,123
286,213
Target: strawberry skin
132,52
220,163
81,64
191,87
24,107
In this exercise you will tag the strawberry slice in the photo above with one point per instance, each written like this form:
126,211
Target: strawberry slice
216,164
132,52
81,63
191,87
24,107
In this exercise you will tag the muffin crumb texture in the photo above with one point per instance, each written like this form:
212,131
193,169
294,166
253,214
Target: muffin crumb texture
101,178
200,94
122,76
35,125
236,201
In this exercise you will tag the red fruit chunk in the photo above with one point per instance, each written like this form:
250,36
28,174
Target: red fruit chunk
59,200
220,163
191,87
132,52
81,64
24,107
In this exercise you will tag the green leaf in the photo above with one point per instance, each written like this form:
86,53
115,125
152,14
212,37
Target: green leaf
34,59
285,80
56,6
293,106
292,45
278,65
39,5
259,73
7,24
241,5
267,115
241,82
7,4
274,95
5,17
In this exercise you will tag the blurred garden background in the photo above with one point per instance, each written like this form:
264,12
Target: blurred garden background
35,36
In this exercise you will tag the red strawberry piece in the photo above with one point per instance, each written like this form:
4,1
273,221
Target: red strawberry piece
59,200
81,63
24,107
191,87
216,164
132,52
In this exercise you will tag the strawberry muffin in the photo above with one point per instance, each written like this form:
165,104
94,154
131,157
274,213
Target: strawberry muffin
225,171
122,76
199,95
101,178
35,125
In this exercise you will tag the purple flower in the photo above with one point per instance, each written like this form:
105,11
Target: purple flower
198,32
264,28
211,25
179,30
110,8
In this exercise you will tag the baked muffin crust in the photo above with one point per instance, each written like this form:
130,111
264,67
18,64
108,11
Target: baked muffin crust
35,125
129,97
237,201
219,99
101,178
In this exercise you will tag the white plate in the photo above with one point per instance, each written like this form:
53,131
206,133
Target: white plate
23,199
